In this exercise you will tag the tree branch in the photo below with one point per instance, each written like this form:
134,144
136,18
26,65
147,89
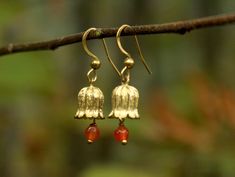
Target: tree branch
180,27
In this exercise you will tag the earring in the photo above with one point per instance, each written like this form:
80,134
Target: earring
124,97
91,98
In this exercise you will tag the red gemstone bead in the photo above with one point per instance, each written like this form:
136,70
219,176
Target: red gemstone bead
92,133
121,134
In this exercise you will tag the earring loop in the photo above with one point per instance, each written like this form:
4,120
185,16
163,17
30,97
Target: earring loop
129,63
118,38
91,78
95,64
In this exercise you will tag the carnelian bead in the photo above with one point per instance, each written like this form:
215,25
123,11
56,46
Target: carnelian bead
92,133
121,134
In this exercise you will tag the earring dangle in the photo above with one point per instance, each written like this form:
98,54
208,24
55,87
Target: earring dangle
124,97
91,98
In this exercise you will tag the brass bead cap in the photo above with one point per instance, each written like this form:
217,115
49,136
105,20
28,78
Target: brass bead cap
125,102
90,103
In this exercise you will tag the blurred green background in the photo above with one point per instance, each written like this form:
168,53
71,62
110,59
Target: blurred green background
187,105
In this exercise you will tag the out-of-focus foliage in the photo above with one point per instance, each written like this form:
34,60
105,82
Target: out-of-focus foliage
187,105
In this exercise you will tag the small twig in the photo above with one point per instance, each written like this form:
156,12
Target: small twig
180,27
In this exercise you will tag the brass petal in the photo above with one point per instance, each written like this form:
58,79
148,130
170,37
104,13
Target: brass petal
125,102
90,103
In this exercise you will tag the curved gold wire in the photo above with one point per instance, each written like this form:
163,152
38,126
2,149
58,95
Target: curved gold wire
125,77
109,58
119,40
91,75
90,78
137,44
85,44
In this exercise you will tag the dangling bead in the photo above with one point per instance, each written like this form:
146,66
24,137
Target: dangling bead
92,133
121,134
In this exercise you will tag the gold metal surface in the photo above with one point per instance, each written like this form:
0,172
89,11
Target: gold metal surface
137,44
91,98
90,103
125,102
86,33
125,97
124,142
118,39
109,58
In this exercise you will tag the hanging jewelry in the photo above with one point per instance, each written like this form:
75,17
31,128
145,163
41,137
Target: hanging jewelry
124,97
91,98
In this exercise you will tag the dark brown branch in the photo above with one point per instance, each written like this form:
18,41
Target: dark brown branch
180,27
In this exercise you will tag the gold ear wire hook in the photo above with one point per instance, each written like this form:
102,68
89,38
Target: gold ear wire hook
119,40
95,64
85,44
137,43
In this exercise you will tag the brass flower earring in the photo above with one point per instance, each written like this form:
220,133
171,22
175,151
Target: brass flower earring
91,98
124,97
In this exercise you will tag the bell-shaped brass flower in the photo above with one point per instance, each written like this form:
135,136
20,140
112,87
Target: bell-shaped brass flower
125,102
90,103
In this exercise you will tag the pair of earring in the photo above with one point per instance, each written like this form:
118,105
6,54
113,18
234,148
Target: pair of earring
124,97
